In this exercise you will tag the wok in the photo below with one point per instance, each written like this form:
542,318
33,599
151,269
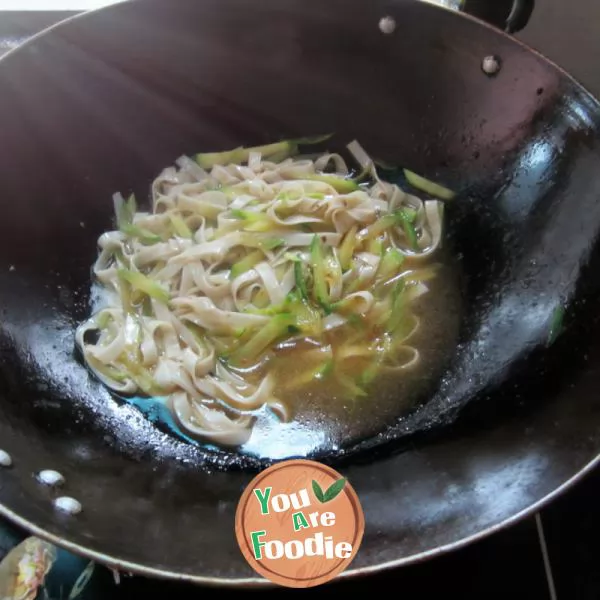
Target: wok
104,101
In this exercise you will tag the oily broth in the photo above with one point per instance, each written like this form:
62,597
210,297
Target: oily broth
217,358
323,417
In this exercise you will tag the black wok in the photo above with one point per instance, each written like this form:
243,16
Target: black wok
104,101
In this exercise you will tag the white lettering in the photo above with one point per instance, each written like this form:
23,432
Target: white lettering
343,550
314,519
274,549
329,553
318,545
294,554
314,545
280,503
328,519
303,501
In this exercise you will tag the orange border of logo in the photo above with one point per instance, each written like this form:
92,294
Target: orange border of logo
245,511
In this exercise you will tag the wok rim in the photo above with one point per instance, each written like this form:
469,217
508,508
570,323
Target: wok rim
135,568
258,582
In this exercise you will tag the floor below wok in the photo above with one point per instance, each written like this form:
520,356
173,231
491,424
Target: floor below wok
550,556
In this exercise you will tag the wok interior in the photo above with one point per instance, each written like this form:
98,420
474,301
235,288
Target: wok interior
103,103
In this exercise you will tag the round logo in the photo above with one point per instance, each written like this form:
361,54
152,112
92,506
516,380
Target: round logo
299,523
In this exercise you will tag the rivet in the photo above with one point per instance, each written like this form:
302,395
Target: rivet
387,25
50,477
68,505
5,459
491,65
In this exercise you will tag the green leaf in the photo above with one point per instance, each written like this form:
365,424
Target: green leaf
247,263
271,243
324,370
556,324
317,263
390,264
351,387
315,139
334,490
318,491
409,230
262,339
369,374
356,321
246,215
207,160
144,284
430,187
346,250
300,280
180,227
340,184
145,236
125,210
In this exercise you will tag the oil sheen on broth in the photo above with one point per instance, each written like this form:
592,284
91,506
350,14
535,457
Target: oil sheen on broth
272,303
326,416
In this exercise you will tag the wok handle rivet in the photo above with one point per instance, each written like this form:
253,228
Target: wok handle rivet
387,25
50,477
5,459
491,65
68,505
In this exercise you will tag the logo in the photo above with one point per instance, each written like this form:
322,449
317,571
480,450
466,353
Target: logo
299,523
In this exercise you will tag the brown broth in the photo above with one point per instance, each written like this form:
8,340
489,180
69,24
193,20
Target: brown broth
323,417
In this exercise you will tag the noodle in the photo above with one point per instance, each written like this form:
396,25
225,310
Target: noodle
239,262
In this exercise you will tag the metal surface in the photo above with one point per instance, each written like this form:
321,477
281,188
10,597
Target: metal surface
105,101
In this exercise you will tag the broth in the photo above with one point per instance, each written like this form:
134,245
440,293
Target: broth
323,416
276,305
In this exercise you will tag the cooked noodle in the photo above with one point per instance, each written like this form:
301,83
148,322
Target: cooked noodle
245,260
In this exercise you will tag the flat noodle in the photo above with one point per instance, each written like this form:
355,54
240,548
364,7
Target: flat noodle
243,260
